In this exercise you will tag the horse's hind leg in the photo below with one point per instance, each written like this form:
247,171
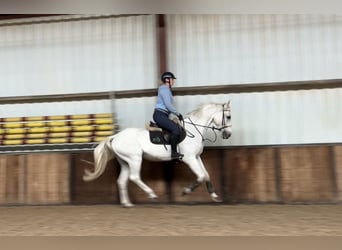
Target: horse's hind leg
135,168
122,184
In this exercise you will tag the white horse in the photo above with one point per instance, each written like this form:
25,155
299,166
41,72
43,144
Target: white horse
130,146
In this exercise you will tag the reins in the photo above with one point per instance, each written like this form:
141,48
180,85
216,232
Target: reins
191,135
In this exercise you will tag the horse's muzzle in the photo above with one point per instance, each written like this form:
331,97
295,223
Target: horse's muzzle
226,134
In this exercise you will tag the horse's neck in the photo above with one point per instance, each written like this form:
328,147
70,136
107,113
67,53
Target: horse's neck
203,121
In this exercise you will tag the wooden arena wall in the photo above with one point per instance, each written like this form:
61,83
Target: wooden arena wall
272,174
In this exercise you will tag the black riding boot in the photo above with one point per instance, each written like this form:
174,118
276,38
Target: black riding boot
174,154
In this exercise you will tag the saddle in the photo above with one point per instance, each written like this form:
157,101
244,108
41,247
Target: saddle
162,136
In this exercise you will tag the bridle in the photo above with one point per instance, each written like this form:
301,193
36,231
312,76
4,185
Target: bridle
213,128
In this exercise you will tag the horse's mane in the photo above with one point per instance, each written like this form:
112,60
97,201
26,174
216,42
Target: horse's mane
199,111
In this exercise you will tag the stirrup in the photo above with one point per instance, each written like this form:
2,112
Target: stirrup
176,156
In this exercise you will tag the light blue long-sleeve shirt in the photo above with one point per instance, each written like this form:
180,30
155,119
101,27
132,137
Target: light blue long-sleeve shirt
165,100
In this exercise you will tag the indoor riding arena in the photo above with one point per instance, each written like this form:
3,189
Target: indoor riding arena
84,78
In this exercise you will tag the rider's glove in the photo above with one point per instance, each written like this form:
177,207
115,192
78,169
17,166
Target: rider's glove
180,117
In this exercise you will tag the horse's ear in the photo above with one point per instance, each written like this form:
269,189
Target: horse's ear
228,103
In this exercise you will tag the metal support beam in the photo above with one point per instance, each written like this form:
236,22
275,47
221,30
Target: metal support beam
179,91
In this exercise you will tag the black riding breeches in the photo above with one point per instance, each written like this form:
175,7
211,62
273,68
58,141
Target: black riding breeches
163,121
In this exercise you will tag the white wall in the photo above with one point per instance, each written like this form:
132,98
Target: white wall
242,49
78,56
281,117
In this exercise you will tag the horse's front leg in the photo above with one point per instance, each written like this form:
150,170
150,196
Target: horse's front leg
212,193
208,183
197,169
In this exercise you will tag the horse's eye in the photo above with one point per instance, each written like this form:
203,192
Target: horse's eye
228,117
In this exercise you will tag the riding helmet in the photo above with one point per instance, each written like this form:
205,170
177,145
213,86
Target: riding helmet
166,75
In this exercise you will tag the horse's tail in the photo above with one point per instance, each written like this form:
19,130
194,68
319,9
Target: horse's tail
102,154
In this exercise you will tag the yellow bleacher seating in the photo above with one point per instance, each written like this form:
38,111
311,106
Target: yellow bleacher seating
57,129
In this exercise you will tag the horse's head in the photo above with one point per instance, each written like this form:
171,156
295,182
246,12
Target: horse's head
222,119
218,115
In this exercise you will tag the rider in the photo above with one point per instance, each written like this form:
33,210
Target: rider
164,106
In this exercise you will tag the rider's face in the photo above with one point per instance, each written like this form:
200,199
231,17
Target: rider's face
172,82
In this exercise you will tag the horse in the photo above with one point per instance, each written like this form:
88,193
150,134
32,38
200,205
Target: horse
131,145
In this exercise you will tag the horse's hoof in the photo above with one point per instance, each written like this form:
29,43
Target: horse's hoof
186,191
127,205
153,196
154,200
215,197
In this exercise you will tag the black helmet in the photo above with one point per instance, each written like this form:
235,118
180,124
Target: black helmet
166,75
